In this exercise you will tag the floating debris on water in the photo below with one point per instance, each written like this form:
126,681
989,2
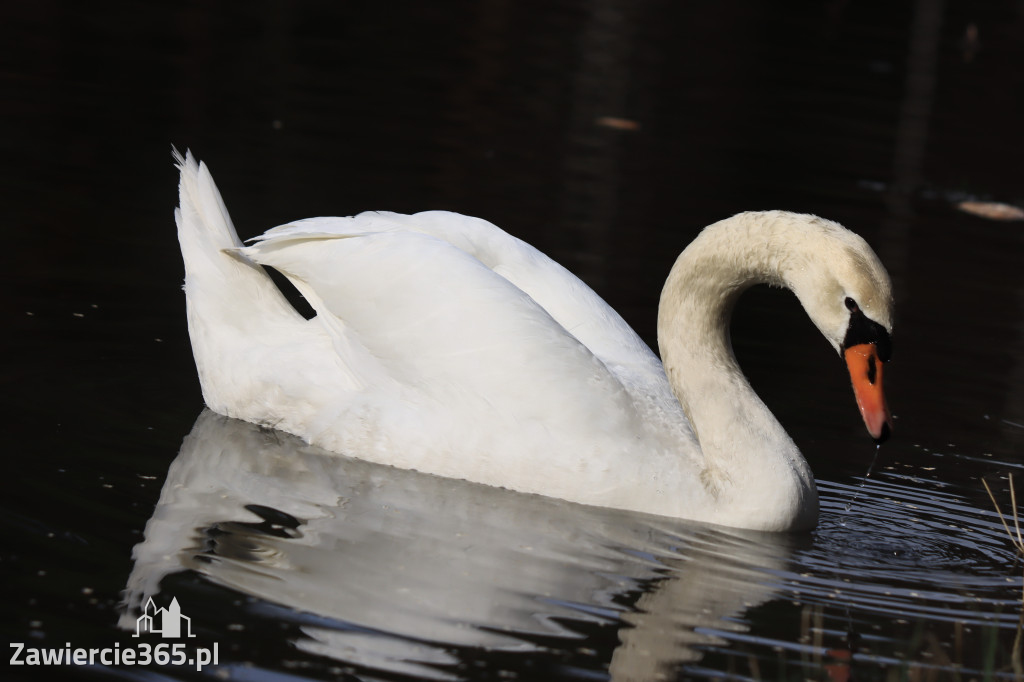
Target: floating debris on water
992,210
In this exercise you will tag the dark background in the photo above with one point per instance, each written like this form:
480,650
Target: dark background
880,115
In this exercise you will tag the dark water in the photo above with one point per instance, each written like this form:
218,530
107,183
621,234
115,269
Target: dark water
607,134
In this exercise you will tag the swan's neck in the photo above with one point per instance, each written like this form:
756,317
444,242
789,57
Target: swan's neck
752,467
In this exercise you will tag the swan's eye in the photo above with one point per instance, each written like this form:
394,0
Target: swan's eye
851,305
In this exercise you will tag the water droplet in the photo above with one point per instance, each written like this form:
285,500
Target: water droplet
871,467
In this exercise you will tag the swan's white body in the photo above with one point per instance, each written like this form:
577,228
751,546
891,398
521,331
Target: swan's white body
445,345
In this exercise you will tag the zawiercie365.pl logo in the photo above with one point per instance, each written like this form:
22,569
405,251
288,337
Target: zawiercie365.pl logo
168,622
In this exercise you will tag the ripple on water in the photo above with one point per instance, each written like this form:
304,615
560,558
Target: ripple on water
911,548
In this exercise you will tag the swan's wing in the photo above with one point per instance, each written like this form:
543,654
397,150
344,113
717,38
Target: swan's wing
423,309
423,324
571,303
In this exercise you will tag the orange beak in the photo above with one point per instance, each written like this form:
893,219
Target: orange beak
866,374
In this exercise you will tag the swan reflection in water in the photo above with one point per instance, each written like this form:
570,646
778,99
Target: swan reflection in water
402,569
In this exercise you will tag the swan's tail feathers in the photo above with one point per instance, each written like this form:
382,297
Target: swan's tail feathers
216,274
229,299
203,220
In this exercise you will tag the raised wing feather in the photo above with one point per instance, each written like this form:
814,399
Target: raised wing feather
410,308
566,299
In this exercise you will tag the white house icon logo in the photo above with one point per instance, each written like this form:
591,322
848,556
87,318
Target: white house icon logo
170,620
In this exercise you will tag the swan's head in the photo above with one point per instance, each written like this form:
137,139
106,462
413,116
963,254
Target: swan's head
847,293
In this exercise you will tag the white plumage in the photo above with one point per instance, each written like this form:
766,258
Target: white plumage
445,345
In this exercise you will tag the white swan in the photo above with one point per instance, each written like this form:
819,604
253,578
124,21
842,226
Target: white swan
445,345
